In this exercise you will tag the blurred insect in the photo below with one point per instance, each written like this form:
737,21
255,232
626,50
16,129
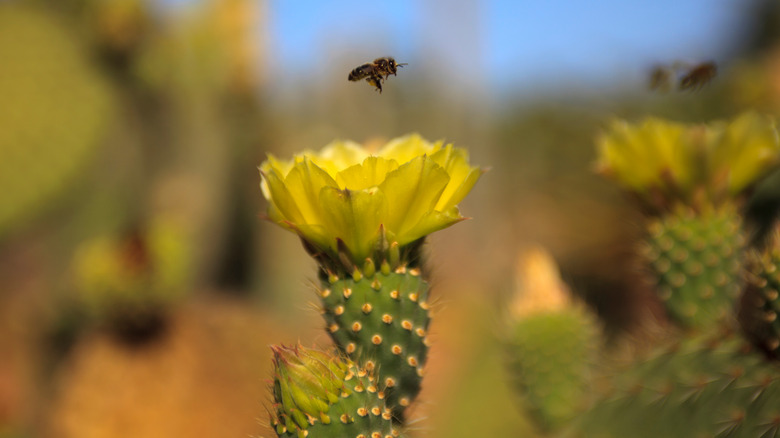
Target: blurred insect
376,72
698,76
691,76
661,78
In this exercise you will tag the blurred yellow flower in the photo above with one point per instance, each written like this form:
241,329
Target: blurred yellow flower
664,159
345,198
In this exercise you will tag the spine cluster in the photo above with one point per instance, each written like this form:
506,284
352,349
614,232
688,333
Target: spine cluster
380,319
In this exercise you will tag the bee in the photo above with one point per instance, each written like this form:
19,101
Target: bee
690,76
376,72
661,78
698,76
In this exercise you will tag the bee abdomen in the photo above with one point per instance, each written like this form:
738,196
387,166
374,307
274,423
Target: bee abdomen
360,72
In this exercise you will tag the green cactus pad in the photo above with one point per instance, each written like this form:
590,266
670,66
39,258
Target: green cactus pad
697,259
55,109
381,321
551,356
705,386
761,304
319,395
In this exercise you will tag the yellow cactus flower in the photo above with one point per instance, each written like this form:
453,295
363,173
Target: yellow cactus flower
744,150
669,161
640,156
346,199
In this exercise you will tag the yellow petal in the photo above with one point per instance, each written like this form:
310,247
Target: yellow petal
431,221
354,217
316,235
337,155
285,206
370,173
412,190
747,149
304,182
404,149
462,176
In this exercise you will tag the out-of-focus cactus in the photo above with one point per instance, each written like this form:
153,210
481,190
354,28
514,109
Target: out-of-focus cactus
753,82
55,109
704,380
761,303
130,282
319,394
710,385
364,217
552,344
119,27
692,180
698,258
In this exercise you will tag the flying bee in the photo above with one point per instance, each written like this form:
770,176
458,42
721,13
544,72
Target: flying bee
698,76
660,78
376,72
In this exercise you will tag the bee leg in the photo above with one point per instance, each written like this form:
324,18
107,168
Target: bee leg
375,81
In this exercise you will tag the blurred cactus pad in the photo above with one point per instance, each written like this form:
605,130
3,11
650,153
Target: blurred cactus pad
551,344
56,107
761,302
709,369
712,385
697,259
693,181
706,379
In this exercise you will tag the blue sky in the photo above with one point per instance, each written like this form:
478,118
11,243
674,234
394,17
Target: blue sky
510,45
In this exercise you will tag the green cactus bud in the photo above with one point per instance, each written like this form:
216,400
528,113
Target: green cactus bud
551,344
381,321
551,360
321,395
696,259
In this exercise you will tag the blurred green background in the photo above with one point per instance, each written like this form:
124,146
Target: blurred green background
140,287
